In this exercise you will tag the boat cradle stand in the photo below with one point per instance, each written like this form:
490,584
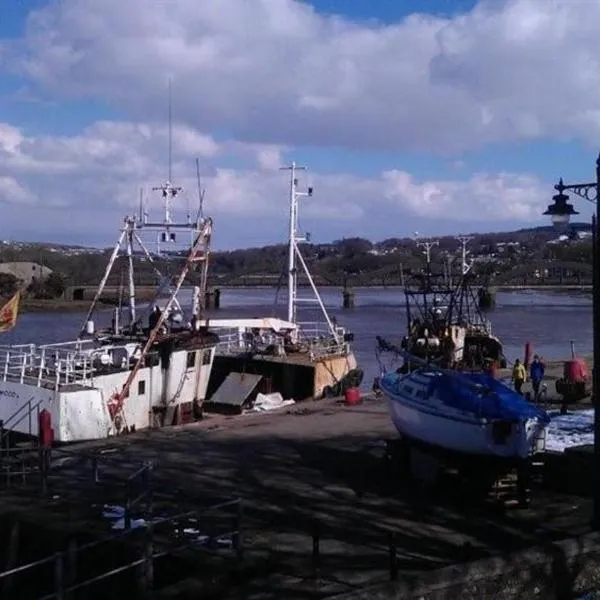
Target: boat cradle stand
505,483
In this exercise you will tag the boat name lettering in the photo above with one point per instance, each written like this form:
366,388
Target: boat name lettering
9,394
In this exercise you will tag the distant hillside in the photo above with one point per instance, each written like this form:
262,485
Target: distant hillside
354,260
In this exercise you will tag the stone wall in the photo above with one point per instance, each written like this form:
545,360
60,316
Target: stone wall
559,571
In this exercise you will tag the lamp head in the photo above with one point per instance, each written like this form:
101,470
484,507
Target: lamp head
560,211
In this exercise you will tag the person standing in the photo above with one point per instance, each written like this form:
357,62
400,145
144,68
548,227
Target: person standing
519,375
536,374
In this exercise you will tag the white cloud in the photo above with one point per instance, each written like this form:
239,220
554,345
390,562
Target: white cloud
94,177
275,71
111,159
12,192
484,197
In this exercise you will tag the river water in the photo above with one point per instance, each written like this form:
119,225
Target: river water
547,319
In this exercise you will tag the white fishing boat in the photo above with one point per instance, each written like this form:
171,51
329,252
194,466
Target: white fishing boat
150,369
468,413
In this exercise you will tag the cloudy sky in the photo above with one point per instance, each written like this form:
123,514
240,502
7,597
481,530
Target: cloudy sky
437,116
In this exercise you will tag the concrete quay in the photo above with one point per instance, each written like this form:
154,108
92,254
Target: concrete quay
311,476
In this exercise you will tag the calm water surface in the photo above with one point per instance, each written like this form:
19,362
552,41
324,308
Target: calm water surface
548,320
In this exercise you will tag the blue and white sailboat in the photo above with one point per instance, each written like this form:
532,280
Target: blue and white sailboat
468,413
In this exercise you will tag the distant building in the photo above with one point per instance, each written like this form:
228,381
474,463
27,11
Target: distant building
25,271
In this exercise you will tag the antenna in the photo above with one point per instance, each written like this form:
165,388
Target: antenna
168,190
200,192
170,134
464,240
427,245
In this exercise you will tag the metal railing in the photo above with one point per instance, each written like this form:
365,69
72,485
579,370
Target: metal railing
20,460
53,365
135,496
314,339
481,325
320,342
66,580
29,410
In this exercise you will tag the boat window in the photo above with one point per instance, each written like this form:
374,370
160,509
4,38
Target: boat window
191,360
408,389
206,357
141,388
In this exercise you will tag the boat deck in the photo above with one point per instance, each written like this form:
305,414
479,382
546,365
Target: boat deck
311,463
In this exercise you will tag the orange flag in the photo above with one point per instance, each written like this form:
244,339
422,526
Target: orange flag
9,312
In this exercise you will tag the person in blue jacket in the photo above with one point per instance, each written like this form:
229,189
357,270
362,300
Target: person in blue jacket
536,374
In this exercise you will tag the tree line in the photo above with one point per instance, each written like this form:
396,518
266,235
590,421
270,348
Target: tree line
350,260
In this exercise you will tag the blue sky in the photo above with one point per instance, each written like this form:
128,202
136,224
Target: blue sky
434,115
390,11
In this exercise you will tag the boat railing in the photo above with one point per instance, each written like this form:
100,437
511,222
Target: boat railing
313,330
47,366
73,345
483,326
321,341
314,338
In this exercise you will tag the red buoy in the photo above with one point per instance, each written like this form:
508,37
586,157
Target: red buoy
575,370
573,385
352,396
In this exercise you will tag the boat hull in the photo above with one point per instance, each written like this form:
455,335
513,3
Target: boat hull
460,432
293,376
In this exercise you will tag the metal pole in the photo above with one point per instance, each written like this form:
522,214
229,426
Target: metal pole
291,249
130,273
109,267
596,341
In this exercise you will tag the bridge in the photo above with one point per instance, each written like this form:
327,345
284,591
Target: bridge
542,272
546,272
111,293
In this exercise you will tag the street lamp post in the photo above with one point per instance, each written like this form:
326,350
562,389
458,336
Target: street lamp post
560,212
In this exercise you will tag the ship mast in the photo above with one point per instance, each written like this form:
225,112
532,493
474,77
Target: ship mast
295,256
465,264
426,245
292,239
166,232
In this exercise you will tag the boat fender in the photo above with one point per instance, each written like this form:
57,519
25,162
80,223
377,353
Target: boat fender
328,392
352,379
376,385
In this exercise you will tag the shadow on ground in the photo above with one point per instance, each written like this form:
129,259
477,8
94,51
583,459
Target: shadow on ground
296,485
